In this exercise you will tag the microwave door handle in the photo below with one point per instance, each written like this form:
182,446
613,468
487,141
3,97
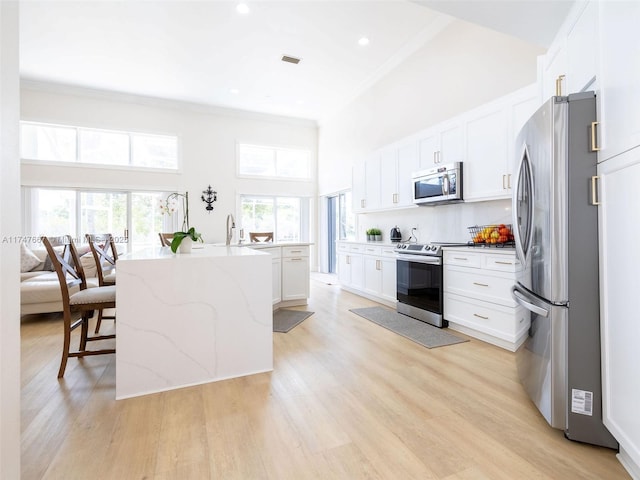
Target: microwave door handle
445,184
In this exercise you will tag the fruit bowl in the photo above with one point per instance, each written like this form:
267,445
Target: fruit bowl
491,234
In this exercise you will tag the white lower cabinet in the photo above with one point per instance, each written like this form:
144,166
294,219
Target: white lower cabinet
276,273
368,270
477,296
295,273
290,274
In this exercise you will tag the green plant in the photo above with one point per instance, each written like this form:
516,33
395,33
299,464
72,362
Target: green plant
375,231
179,236
370,231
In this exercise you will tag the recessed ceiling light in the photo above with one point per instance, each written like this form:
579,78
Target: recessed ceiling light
235,91
242,8
363,41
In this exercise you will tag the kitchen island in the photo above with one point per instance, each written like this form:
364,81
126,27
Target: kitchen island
188,319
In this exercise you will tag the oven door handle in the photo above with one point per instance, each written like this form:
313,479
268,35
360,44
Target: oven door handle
430,260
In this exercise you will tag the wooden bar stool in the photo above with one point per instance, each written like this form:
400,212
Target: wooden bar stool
77,298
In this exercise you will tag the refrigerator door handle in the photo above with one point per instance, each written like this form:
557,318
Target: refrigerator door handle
524,301
524,238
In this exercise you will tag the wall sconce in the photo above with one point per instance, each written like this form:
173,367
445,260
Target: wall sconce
208,197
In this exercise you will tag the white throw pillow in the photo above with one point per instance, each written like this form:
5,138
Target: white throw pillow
28,259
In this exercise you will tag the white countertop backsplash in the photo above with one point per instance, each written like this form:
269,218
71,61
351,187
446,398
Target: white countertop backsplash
442,223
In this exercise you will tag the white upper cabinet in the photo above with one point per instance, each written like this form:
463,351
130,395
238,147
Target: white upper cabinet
428,148
490,151
408,162
389,177
373,180
358,190
365,186
582,47
451,142
486,162
441,144
554,70
570,65
618,78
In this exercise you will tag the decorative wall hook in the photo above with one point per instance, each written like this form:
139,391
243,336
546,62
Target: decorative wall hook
209,196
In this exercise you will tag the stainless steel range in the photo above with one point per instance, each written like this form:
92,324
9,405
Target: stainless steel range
419,284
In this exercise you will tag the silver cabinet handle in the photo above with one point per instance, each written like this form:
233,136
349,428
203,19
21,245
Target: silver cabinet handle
295,259
460,258
480,316
503,263
480,284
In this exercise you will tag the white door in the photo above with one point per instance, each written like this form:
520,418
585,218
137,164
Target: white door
619,230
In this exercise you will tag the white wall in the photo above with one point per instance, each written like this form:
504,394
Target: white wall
463,67
9,250
208,141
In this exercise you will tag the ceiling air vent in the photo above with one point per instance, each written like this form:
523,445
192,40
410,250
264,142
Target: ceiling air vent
294,60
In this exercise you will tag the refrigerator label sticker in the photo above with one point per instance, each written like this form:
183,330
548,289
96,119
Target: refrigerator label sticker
581,402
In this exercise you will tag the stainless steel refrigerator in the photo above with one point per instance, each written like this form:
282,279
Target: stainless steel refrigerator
556,232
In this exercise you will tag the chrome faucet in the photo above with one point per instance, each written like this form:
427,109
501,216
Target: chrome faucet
231,225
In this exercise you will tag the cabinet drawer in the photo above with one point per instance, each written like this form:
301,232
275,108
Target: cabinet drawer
343,247
502,263
302,251
499,321
388,251
463,258
356,248
371,250
487,286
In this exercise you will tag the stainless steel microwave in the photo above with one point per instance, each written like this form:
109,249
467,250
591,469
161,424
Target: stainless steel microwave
438,185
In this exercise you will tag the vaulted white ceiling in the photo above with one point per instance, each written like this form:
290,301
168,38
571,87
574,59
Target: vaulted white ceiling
206,52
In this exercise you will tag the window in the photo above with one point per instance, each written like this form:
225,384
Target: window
131,217
59,143
47,142
286,217
264,161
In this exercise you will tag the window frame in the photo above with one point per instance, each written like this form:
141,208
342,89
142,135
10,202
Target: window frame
275,149
108,166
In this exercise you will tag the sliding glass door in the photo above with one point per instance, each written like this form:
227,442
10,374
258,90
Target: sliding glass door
133,218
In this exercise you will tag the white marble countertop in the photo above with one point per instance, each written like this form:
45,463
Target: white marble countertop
263,244
198,251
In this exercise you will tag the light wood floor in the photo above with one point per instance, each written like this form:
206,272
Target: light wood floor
347,400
